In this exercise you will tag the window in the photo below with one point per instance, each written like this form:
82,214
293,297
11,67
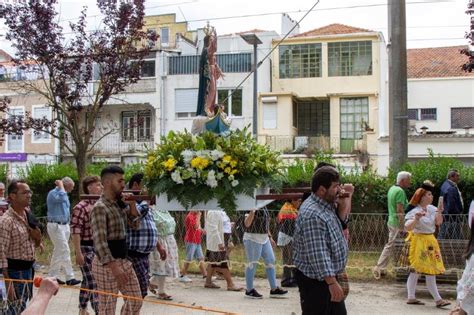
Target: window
354,117
427,113
128,124
350,58
144,125
300,61
228,63
233,104
136,126
165,36
152,31
313,118
422,114
462,117
413,114
185,102
148,69
40,112
15,141
269,116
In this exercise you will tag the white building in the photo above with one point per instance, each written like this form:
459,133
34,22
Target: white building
440,106
180,79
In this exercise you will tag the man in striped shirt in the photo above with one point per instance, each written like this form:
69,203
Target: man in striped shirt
319,247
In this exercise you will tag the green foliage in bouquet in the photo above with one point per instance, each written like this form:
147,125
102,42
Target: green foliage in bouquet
197,168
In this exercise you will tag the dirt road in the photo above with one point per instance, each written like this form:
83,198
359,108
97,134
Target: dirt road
364,298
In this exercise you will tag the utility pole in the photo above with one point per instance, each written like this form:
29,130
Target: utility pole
397,79
253,40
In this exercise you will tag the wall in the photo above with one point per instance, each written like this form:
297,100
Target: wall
461,147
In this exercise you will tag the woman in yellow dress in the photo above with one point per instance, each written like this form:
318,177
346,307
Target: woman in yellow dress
424,254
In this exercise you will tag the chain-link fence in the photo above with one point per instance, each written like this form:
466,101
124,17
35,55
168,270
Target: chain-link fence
368,234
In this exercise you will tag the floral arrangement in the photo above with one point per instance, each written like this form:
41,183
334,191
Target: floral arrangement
197,168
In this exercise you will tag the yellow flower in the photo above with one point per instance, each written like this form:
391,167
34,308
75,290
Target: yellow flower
228,170
233,163
169,164
199,163
233,172
226,159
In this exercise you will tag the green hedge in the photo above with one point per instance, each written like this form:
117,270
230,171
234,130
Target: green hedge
41,179
371,189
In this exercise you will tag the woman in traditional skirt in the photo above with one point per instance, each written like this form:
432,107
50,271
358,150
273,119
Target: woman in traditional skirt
216,253
159,268
424,255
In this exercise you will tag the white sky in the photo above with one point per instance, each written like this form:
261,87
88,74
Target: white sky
430,23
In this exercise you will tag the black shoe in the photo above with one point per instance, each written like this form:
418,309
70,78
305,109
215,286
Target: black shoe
253,294
61,282
73,282
289,284
277,293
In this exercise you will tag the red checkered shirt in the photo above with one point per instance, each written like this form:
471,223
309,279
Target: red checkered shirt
15,241
80,221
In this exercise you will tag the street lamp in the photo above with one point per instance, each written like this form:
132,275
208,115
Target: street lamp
252,39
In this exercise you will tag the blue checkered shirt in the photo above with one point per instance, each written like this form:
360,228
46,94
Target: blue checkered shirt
144,238
319,247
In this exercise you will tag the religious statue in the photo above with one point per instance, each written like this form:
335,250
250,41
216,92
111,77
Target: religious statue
210,116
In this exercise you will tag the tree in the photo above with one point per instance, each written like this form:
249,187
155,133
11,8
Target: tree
109,58
469,65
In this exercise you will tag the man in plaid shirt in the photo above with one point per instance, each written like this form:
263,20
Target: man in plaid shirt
319,247
112,270
142,241
17,246
83,244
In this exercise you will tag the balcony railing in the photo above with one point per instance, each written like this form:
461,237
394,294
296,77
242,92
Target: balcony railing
299,144
113,145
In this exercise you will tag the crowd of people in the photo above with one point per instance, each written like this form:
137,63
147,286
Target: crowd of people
123,244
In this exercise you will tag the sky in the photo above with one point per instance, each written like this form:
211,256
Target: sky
430,23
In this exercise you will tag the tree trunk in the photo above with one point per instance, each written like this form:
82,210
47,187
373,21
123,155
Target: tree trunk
81,163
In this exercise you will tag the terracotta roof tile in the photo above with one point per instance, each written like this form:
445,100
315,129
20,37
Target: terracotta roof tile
333,29
436,62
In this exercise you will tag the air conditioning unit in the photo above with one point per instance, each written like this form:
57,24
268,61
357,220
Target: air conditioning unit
301,142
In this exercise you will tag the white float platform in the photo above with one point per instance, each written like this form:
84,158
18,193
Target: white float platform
243,202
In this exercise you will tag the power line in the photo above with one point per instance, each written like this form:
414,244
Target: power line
255,67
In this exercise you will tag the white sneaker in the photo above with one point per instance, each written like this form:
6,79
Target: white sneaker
185,279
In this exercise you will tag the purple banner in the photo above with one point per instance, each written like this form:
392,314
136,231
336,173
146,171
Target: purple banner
13,157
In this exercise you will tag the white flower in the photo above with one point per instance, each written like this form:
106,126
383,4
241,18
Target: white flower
216,154
219,175
187,156
234,183
231,177
211,182
193,181
203,153
176,177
